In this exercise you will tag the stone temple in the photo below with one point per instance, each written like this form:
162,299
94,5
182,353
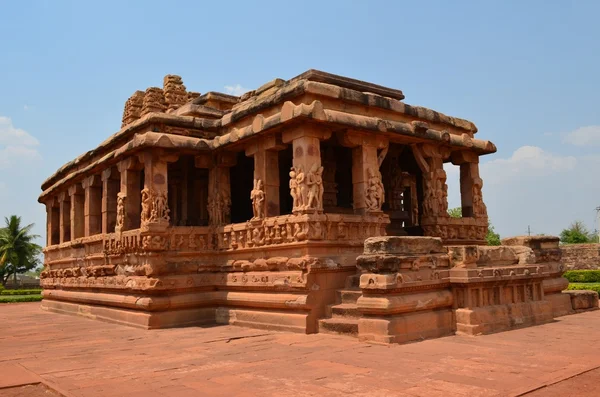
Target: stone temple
313,204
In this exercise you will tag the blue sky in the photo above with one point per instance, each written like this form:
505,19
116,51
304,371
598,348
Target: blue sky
526,73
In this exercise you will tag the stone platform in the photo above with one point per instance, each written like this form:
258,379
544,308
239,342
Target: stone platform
79,357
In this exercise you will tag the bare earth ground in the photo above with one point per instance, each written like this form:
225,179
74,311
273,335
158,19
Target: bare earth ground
74,356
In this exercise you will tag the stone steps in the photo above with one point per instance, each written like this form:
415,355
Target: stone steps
345,310
344,315
339,325
348,295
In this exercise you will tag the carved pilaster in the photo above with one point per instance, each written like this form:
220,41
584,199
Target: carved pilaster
368,152
92,212
77,211
306,176
219,186
266,173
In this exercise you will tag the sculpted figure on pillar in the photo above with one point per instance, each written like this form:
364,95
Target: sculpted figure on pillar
307,189
257,195
155,208
375,193
120,211
314,182
294,190
479,207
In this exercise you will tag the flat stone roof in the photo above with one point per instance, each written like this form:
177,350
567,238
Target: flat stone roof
83,357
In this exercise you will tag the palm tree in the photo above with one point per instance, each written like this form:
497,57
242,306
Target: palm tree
18,252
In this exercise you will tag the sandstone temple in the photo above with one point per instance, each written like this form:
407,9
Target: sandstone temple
313,204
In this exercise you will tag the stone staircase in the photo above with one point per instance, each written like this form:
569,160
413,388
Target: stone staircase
344,315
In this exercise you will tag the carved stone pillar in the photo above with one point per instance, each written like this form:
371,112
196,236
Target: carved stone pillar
52,222
129,197
65,217
435,191
77,211
308,172
470,184
155,206
368,152
110,190
93,205
266,170
219,185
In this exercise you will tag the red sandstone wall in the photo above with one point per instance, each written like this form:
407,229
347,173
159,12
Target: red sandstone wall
581,256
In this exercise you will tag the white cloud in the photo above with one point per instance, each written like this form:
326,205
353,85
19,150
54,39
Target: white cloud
9,135
25,107
583,136
536,188
236,90
15,144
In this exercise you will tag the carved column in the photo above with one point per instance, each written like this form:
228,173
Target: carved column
129,197
435,191
219,185
77,210
368,152
65,217
266,170
470,184
306,144
155,206
93,205
52,222
110,190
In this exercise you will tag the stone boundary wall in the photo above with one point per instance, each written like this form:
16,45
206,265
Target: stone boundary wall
581,256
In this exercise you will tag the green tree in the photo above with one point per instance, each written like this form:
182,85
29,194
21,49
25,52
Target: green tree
18,252
492,238
577,233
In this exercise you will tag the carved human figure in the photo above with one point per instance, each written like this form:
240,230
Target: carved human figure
146,205
294,189
120,211
374,195
314,182
257,195
302,187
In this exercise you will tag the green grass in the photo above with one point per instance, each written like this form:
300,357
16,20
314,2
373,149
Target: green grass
20,298
586,286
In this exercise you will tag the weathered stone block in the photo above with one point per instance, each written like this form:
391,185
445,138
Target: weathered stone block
403,245
583,299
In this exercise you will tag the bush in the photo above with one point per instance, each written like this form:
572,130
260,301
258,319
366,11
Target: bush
585,286
20,298
21,292
583,276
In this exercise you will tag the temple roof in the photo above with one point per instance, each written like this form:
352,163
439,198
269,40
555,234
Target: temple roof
184,119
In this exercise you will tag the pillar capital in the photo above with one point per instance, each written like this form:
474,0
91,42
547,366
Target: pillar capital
306,130
91,181
63,196
353,139
130,163
271,142
464,156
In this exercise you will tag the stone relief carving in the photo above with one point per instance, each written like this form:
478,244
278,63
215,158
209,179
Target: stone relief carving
120,211
219,207
479,207
155,208
257,195
307,189
375,193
